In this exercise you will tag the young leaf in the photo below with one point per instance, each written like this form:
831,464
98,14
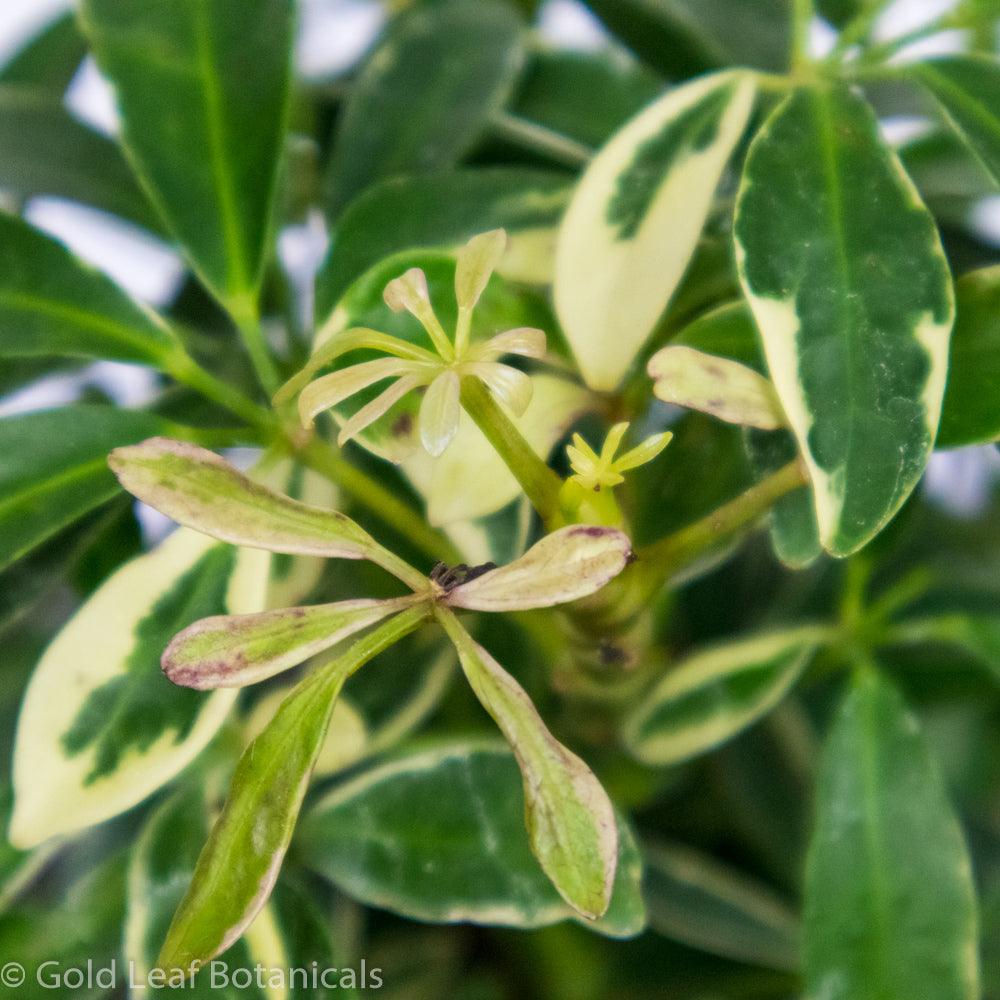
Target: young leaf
52,304
425,93
101,728
236,650
850,288
569,816
636,216
202,491
441,210
53,468
703,903
730,331
239,864
967,88
722,388
709,698
213,77
971,412
438,835
890,908
286,935
571,563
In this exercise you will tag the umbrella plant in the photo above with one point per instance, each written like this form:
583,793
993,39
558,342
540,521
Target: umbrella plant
620,414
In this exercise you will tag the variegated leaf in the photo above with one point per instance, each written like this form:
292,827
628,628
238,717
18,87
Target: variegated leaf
843,267
199,489
236,650
570,819
709,698
289,933
571,563
718,386
438,835
239,864
101,727
636,216
730,331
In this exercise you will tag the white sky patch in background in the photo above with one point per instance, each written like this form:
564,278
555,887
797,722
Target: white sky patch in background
91,99
147,269
335,34
570,25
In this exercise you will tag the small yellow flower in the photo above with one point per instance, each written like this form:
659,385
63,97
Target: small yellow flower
441,370
594,472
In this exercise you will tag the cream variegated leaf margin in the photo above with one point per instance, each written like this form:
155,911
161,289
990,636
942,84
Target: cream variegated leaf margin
240,862
718,386
231,651
571,563
470,480
636,216
200,490
570,820
55,792
707,699
844,270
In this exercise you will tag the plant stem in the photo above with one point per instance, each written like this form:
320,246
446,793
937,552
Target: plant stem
249,326
182,367
319,457
803,13
539,139
540,484
379,500
667,556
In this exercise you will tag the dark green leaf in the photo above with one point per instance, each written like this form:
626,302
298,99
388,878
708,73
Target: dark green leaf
53,468
53,304
436,211
439,836
51,58
889,904
425,93
971,412
685,37
44,150
203,92
848,282
586,96
85,925
968,90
